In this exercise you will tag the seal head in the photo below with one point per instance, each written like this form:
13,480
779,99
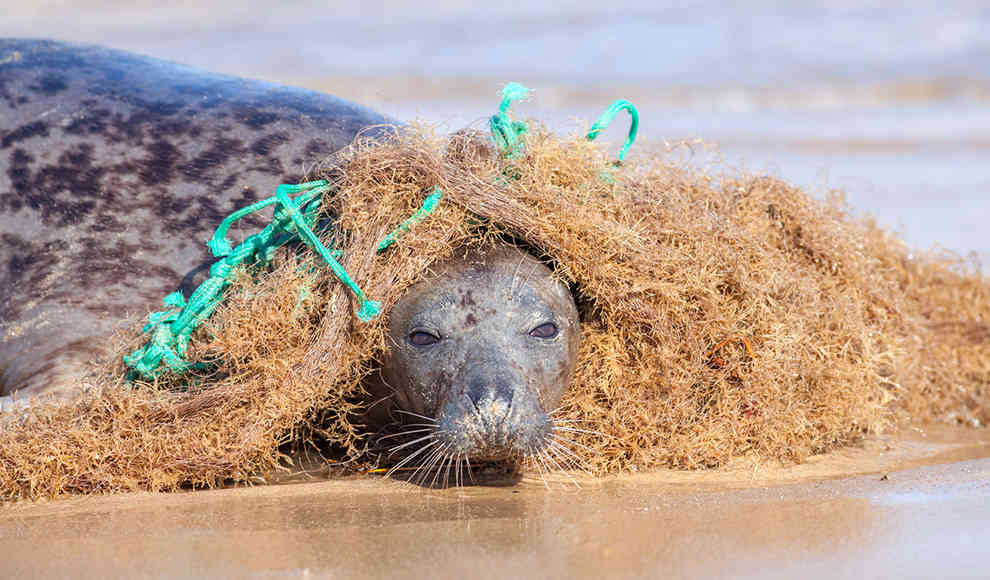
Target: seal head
483,351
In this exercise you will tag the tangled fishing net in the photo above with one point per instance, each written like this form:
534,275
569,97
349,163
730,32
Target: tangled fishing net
723,316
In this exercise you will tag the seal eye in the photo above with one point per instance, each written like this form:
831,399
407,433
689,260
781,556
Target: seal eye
545,330
420,338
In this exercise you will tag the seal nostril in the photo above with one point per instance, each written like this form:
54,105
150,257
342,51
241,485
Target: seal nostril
497,390
477,391
504,391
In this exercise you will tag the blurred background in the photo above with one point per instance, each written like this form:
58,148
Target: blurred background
889,101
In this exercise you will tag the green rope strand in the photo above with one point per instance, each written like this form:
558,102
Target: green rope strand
606,119
507,133
429,204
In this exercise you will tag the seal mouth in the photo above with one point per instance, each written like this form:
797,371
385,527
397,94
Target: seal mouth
458,445
493,436
440,452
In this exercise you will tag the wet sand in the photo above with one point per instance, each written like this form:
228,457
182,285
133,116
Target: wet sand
891,508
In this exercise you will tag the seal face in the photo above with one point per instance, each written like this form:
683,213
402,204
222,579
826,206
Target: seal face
483,351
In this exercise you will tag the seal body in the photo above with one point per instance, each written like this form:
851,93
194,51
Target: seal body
114,171
482,352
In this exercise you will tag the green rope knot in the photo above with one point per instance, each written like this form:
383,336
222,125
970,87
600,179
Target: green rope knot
506,132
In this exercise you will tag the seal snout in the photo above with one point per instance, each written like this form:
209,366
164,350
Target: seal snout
493,419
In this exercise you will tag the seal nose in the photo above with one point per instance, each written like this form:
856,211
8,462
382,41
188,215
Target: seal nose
493,417
496,390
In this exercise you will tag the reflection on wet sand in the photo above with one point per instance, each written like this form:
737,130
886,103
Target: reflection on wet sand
804,521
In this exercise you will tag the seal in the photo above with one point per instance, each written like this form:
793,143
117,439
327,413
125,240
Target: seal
114,169
479,357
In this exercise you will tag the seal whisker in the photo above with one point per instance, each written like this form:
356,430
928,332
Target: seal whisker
436,466
569,457
445,465
574,443
576,430
423,467
515,277
400,434
470,471
562,445
542,467
446,471
575,464
431,419
433,463
438,469
553,456
439,466
413,442
409,458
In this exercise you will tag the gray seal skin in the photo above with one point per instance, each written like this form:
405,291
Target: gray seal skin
114,171
482,352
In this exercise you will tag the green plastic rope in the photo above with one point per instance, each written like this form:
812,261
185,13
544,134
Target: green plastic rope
507,133
171,330
294,220
429,204
369,308
606,119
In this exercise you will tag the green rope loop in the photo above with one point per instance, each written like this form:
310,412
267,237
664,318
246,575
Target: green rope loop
507,133
606,119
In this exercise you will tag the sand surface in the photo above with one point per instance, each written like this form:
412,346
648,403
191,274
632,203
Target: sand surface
891,509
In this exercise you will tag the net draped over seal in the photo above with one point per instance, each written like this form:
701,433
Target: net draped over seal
724,315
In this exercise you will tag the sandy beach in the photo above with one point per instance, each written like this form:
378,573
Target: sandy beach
912,506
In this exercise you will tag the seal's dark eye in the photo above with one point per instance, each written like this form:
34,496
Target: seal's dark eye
420,338
546,330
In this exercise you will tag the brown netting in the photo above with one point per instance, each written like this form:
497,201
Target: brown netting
723,316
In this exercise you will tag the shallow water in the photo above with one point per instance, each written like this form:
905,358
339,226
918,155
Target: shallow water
904,516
